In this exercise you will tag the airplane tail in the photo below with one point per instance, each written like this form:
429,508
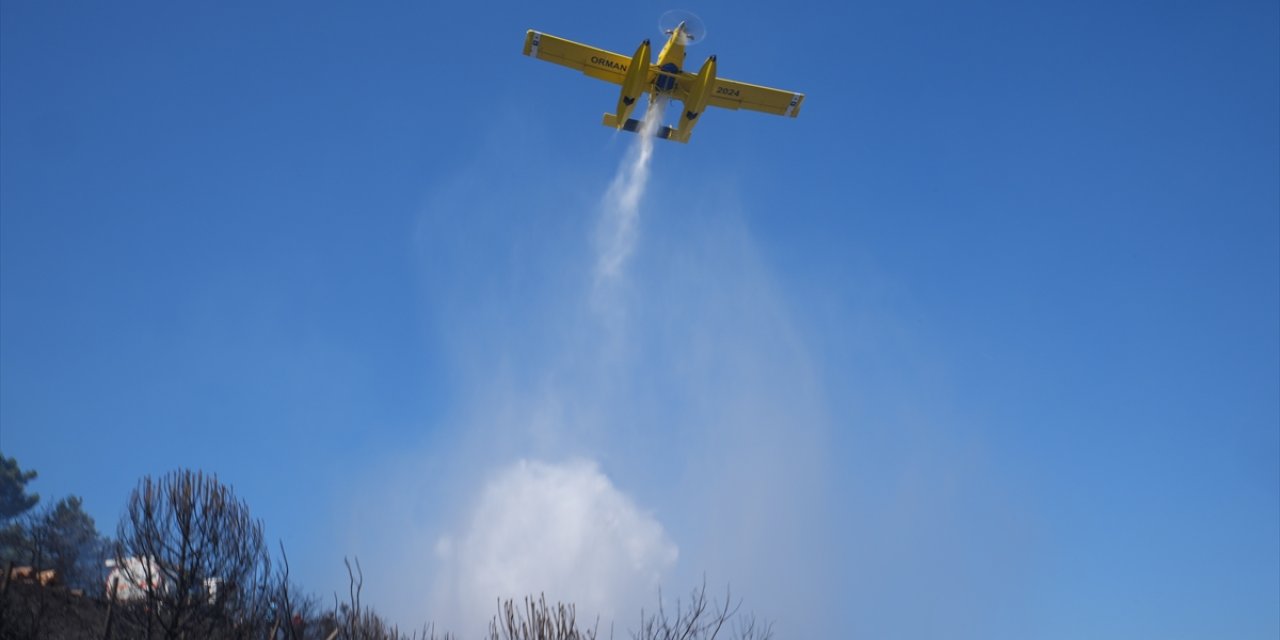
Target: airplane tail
633,125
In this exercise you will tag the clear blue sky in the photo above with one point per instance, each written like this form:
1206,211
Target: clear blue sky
251,238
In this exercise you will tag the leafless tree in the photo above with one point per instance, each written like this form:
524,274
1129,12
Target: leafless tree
537,621
199,557
352,620
701,618
296,610
698,618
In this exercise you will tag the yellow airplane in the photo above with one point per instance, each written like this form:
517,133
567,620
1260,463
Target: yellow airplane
665,78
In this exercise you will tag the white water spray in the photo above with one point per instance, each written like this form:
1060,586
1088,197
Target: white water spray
616,233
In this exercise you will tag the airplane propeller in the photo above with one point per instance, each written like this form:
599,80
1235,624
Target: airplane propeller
694,30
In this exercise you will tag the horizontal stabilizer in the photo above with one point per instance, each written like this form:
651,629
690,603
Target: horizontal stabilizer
633,125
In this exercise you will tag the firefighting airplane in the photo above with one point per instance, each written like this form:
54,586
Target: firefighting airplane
665,78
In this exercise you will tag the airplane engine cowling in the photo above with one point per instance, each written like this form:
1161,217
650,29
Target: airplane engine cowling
633,85
697,98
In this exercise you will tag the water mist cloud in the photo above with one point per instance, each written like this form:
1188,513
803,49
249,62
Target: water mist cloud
676,372
562,530
559,529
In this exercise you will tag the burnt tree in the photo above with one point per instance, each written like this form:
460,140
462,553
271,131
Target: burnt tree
198,557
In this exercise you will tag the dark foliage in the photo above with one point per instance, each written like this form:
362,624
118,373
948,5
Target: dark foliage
14,499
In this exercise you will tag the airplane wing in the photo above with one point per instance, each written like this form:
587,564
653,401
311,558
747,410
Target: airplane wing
730,94
597,63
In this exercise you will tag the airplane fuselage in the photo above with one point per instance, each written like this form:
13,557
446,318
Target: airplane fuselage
664,81
671,61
